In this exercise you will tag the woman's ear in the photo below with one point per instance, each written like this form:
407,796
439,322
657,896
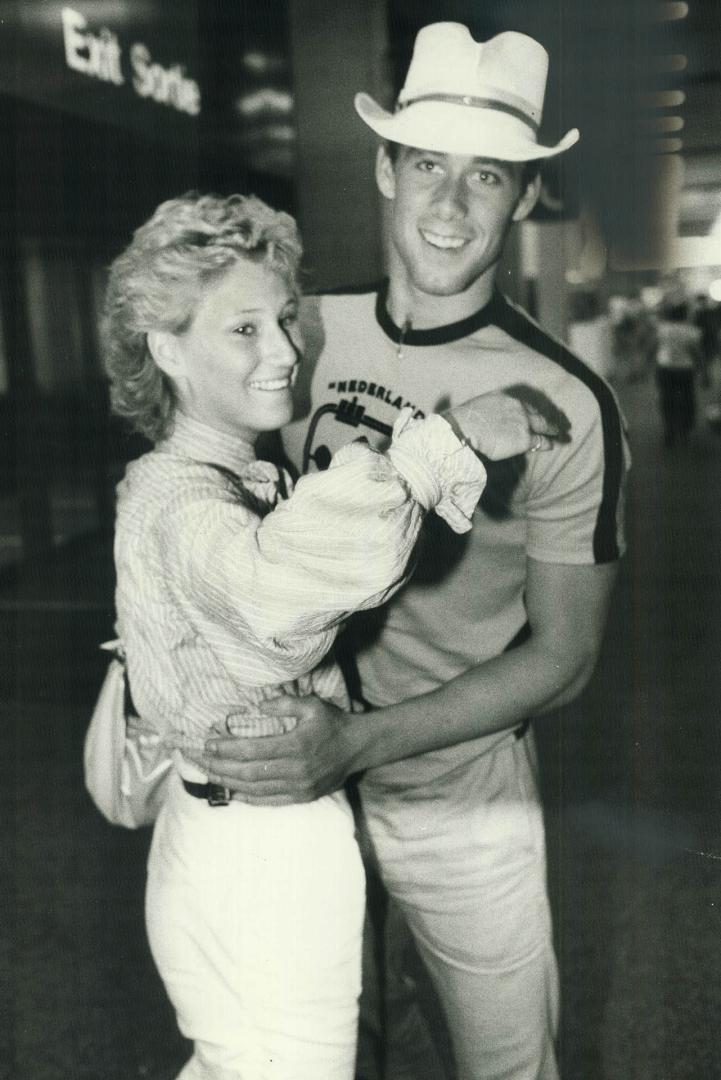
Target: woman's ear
162,346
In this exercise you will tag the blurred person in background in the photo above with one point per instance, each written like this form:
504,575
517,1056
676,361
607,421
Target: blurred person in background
496,629
707,317
230,591
590,333
678,360
634,340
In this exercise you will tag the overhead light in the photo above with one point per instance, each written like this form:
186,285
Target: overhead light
667,146
671,62
662,99
267,100
262,63
670,12
665,124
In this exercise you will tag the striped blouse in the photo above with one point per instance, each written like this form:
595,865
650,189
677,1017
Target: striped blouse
228,592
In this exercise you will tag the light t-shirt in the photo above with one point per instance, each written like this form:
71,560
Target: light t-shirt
465,602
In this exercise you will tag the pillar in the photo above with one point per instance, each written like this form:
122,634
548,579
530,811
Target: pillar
338,47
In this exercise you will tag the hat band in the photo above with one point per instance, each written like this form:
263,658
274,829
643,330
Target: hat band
475,102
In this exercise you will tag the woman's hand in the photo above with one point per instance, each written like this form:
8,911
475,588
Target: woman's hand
502,425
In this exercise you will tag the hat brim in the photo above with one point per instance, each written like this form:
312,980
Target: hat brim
448,128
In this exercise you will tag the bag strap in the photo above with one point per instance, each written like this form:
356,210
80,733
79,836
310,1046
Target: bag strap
117,648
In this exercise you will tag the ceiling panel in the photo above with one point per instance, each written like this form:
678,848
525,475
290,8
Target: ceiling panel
698,38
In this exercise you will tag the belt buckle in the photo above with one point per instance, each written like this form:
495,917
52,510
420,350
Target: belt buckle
218,795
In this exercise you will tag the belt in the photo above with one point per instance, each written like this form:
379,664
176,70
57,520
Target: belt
217,795
214,794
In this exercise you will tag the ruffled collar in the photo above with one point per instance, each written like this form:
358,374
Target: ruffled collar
192,439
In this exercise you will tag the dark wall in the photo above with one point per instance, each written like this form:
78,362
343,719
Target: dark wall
83,163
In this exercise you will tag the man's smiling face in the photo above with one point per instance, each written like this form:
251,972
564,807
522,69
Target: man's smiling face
450,216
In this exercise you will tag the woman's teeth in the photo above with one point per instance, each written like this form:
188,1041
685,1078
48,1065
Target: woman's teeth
271,384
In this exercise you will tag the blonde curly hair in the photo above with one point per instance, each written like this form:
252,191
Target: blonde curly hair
157,281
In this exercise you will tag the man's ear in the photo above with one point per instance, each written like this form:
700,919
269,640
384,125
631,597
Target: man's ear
385,174
528,199
162,346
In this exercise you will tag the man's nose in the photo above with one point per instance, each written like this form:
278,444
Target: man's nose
450,199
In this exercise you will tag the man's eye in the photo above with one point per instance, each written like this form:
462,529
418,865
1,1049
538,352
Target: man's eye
428,166
246,329
290,319
487,178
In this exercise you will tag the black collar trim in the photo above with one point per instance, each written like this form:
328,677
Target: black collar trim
435,335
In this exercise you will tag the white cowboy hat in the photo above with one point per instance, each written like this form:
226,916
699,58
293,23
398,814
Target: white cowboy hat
462,96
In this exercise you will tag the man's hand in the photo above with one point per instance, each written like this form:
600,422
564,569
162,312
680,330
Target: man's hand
312,760
507,423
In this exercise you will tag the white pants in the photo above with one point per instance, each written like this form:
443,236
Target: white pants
255,916
465,862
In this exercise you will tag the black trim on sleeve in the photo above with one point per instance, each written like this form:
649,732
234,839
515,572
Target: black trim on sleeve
519,326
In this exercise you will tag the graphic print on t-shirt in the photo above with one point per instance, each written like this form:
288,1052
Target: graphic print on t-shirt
323,438
352,412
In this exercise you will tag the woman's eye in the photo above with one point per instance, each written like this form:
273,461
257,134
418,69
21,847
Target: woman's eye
290,319
246,330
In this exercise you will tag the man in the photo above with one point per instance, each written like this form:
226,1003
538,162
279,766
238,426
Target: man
497,628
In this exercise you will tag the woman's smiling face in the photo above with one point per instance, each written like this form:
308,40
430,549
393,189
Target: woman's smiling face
234,366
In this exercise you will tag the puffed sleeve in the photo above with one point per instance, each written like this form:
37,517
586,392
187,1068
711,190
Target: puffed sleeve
341,542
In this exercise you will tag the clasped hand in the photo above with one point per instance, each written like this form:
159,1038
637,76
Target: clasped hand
310,760
509,422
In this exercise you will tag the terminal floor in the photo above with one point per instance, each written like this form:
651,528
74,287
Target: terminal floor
631,780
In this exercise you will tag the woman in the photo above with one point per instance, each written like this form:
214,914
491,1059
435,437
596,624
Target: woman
229,591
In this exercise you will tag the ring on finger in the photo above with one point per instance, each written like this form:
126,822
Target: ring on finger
537,443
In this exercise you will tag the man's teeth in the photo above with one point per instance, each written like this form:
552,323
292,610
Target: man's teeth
442,241
271,384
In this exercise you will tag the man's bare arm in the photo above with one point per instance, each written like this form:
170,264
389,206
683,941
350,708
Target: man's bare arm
567,608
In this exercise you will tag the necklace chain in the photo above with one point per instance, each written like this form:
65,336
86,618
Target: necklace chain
404,330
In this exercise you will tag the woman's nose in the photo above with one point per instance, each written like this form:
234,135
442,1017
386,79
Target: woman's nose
281,348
